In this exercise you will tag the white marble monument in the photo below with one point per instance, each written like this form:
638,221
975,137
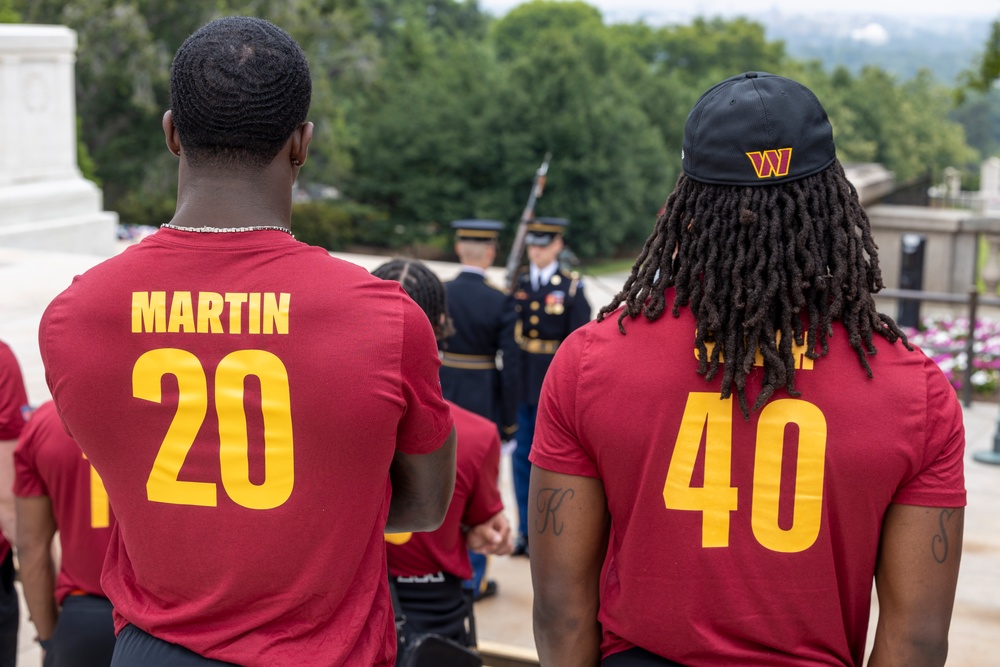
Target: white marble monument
45,203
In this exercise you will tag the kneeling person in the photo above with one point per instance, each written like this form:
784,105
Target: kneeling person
428,568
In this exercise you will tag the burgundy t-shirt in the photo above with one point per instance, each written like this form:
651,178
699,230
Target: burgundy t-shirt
13,398
476,499
47,462
242,396
745,542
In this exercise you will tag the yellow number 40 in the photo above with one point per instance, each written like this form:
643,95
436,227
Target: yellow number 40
163,484
705,414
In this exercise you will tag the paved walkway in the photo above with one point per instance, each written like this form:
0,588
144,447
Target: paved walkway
30,280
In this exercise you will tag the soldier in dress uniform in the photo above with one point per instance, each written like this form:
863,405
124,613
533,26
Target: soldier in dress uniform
549,302
473,374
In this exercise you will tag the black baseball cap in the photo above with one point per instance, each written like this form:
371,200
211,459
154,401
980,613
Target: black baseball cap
477,230
542,231
756,129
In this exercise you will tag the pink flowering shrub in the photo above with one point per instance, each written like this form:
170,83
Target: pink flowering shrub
943,340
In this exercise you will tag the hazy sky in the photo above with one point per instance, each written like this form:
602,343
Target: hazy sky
652,9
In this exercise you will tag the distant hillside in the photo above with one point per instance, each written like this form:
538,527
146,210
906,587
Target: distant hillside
900,45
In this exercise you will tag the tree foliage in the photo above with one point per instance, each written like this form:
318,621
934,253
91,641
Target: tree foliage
985,71
430,110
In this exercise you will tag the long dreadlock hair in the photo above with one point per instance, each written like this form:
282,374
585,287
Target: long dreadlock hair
424,288
759,267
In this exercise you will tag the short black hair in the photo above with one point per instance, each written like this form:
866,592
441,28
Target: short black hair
424,288
239,87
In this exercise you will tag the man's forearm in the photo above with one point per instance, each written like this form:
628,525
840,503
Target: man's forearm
908,652
566,638
411,509
421,489
37,572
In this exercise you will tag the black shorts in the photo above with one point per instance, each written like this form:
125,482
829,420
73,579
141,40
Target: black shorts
438,605
84,634
136,648
637,657
10,612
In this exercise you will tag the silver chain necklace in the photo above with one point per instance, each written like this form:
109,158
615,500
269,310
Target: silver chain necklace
226,230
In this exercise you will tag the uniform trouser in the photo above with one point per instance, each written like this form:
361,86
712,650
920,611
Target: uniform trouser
84,634
637,657
136,648
478,572
10,613
521,466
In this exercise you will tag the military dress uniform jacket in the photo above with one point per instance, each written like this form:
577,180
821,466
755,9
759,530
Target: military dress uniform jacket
470,376
545,318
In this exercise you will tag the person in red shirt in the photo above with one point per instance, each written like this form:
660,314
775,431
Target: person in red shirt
428,568
13,401
259,411
723,464
58,490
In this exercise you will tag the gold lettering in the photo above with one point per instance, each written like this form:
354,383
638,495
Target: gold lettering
276,312
181,313
799,352
149,312
235,301
253,313
210,312
204,312
802,362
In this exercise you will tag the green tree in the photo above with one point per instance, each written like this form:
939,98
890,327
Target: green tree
979,114
710,50
903,126
8,13
572,89
682,61
986,69
429,149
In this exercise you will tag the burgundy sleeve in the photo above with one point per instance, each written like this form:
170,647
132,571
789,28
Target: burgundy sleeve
941,481
557,445
27,481
427,420
13,396
484,500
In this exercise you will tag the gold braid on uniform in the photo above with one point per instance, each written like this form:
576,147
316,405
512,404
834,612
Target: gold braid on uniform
424,288
750,261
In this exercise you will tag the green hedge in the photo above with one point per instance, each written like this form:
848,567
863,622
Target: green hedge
334,224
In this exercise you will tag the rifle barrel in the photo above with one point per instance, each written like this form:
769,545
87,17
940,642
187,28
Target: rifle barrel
517,248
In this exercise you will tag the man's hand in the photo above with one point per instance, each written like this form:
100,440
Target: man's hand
492,537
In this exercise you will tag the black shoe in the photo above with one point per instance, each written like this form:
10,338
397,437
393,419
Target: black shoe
521,546
487,590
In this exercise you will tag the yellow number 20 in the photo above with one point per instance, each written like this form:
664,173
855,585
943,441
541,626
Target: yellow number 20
163,484
706,415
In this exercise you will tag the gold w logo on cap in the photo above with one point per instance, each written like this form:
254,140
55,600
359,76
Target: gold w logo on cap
771,163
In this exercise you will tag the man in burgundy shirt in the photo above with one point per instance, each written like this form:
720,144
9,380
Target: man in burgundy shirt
13,400
724,464
58,490
260,412
428,568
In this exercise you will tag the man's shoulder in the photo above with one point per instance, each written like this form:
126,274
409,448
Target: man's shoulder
475,287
